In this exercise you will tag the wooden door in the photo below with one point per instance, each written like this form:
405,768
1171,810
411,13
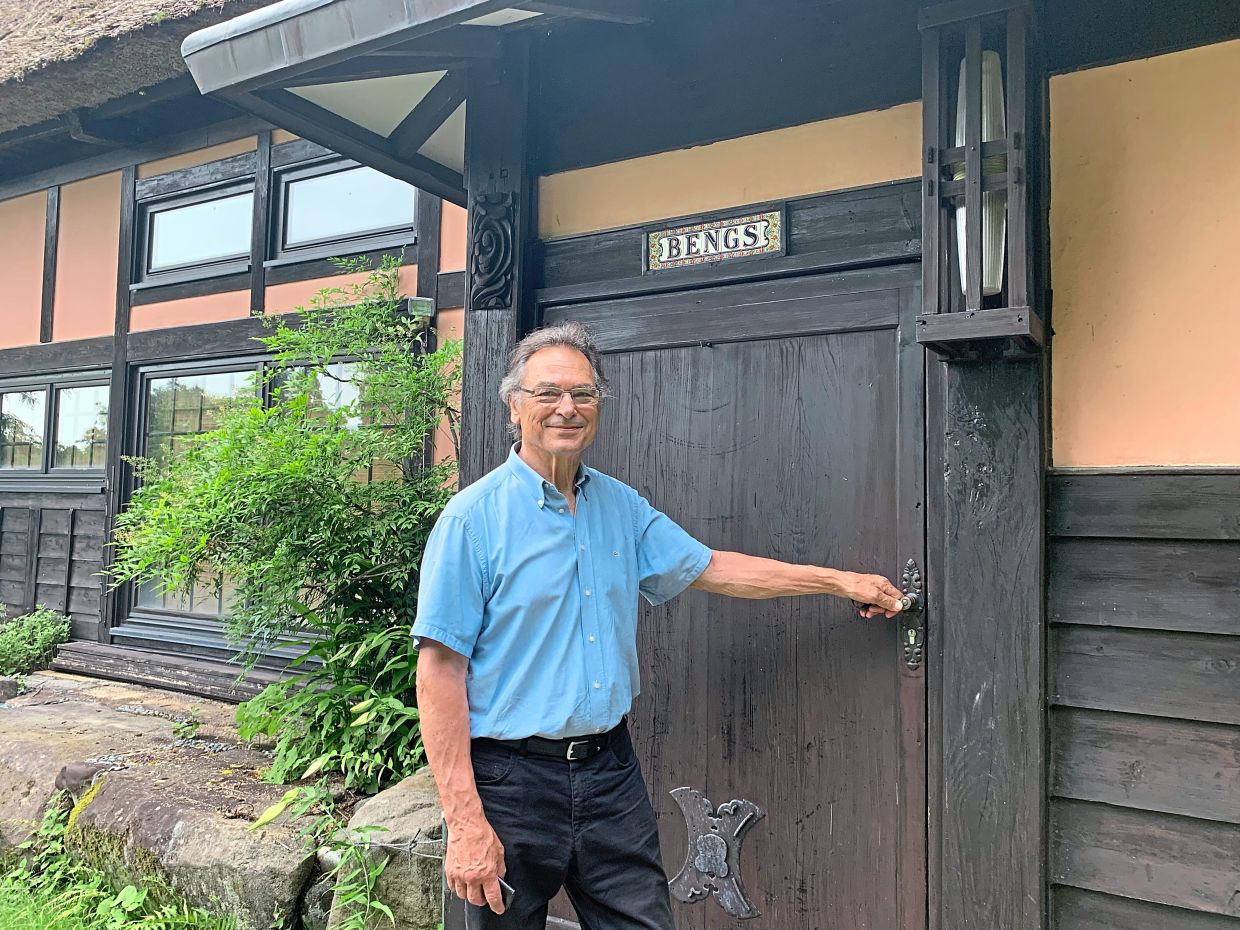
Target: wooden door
784,419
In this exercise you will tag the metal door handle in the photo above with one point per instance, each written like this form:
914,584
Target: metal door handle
912,620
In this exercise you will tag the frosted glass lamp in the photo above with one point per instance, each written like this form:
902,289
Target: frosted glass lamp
994,203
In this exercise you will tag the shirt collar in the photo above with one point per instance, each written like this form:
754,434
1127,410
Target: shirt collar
536,484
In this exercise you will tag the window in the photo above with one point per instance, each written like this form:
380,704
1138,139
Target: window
197,234
72,413
178,407
184,406
22,426
201,233
81,426
325,206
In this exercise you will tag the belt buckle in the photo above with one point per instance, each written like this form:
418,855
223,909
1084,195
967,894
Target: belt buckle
571,755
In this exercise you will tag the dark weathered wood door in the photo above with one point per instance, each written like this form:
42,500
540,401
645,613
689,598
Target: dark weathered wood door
785,419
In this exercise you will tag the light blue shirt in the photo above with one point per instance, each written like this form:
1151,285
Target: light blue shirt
544,603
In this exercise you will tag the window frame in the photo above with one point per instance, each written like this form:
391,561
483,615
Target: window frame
143,376
149,208
47,472
378,238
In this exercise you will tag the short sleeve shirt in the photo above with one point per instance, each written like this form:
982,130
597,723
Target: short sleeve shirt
543,602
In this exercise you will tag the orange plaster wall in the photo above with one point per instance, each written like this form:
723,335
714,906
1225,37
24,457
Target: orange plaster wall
835,154
1145,230
284,297
282,135
86,257
213,308
450,324
21,242
198,157
453,230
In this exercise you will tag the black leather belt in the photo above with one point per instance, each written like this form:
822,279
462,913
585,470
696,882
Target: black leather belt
571,749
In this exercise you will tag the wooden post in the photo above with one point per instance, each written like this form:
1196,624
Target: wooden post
500,199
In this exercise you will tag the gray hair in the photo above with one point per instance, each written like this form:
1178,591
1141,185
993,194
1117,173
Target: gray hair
571,336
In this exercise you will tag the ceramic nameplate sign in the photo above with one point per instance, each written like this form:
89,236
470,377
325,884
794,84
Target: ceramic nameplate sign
716,241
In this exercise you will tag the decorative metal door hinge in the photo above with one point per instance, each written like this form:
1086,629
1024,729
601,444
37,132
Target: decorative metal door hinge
712,862
912,618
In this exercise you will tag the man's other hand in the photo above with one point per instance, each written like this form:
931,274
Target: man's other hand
475,864
872,594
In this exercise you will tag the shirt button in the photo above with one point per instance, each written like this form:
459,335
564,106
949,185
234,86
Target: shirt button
591,639
616,554
583,547
561,510
542,503
587,592
597,685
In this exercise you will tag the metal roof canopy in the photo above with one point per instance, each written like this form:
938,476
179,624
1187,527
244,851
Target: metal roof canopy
380,81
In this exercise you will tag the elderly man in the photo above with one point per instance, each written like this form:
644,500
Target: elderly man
527,625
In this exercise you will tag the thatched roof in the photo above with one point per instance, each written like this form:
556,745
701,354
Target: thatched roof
61,55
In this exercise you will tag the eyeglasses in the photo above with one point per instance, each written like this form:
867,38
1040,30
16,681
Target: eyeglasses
549,397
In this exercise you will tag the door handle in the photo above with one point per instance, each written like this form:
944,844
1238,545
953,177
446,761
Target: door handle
912,618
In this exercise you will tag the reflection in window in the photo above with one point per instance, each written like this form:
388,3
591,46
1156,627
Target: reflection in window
184,406
21,428
201,233
178,408
345,205
81,427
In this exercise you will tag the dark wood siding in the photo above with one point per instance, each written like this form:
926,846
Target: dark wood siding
51,551
1144,604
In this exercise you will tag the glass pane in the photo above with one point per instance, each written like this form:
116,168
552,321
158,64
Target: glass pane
177,408
201,233
21,428
81,427
185,406
345,204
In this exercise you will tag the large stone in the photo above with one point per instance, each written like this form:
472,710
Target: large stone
9,688
145,808
410,840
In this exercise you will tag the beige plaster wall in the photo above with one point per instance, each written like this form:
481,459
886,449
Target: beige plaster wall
22,222
284,297
449,324
198,157
453,231
1145,230
86,258
835,154
211,308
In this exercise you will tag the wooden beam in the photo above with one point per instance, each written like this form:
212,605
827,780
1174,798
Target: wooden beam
259,238
496,291
429,114
118,394
347,138
51,235
470,42
608,11
430,212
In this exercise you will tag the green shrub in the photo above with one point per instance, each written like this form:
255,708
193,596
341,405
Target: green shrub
317,512
29,642
46,889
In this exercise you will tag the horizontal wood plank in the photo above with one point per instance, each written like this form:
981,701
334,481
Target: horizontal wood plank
1189,675
859,300
1077,909
1153,763
1153,505
1189,586
1176,861
174,673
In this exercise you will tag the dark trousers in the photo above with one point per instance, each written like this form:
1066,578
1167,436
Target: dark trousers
585,826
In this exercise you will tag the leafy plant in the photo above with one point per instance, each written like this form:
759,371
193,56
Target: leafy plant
47,889
29,642
315,505
187,727
356,871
